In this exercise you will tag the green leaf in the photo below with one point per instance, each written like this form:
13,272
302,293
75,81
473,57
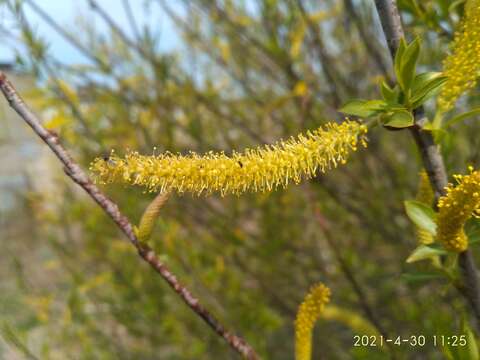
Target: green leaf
418,277
363,108
472,230
398,61
462,117
455,4
389,94
429,90
399,119
408,64
421,215
423,79
424,252
438,133
470,350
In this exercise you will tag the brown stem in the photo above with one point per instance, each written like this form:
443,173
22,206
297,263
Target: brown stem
430,153
75,172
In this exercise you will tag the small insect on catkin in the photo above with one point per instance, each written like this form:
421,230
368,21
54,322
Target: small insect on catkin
462,65
308,313
459,204
261,169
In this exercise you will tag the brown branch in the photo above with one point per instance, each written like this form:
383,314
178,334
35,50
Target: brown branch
75,172
430,153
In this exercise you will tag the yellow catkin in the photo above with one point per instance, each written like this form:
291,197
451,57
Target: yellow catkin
262,169
462,65
459,204
425,195
150,215
308,313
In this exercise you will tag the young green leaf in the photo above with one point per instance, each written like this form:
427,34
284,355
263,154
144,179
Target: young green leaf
399,119
424,252
389,94
423,79
429,90
408,64
454,4
419,277
470,350
363,108
398,61
462,117
421,215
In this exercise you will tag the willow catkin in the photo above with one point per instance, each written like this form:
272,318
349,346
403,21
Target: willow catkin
462,66
460,203
258,170
308,313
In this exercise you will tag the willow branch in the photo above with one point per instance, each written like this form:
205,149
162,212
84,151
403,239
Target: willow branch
430,153
75,172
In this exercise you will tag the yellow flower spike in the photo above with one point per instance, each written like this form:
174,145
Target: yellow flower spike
425,195
459,204
260,169
308,313
150,215
462,65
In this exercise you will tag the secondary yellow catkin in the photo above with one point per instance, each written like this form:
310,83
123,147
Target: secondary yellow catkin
261,169
459,204
462,65
150,215
425,195
308,313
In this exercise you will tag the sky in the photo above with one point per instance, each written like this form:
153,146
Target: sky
67,12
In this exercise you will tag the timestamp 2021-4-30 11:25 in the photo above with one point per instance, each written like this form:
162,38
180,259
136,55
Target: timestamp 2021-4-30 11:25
411,340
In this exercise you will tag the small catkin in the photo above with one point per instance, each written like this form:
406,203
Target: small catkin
255,170
463,64
150,215
459,204
425,195
308,313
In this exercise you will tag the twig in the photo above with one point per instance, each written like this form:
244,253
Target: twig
367,40
75,172
349,274
430,153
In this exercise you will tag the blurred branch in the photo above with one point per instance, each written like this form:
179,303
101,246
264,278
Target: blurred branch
325,62
74,171
372,50
71,39
430,152
349,274
144,53
131,19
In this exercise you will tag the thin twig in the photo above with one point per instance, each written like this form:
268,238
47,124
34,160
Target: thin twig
349,274
367,40
430,153
75,172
